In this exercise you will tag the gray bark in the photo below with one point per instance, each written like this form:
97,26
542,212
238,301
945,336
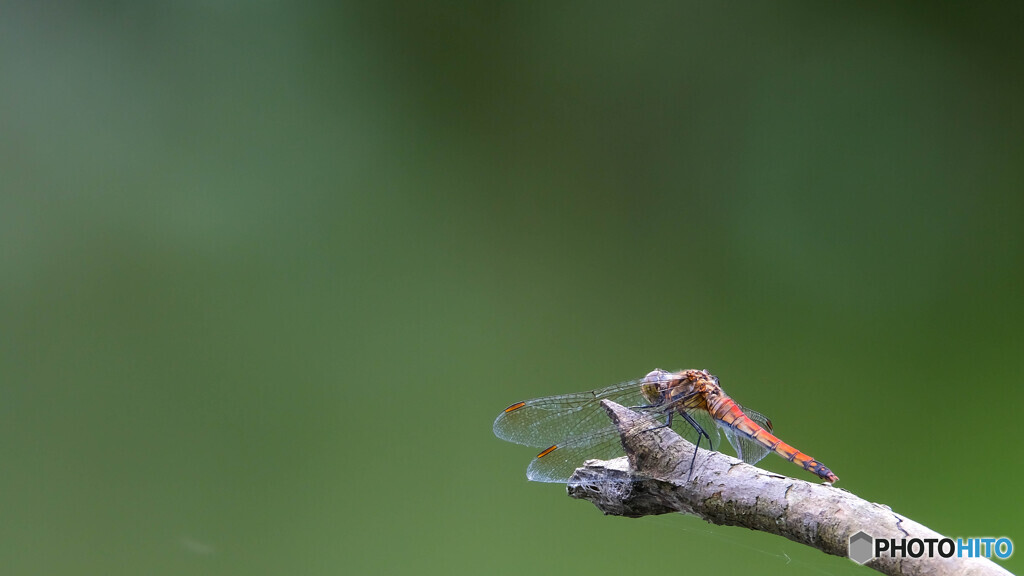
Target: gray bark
655,478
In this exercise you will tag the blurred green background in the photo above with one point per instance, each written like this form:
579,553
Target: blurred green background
270,270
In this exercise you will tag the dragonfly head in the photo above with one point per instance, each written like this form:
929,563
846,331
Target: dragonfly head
654,384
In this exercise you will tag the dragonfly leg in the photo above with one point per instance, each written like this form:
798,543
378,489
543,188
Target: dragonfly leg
700,432
696,426
668,420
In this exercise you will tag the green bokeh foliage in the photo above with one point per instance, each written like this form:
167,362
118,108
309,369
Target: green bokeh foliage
269,271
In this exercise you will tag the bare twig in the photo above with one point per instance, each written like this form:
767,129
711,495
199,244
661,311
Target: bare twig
656,479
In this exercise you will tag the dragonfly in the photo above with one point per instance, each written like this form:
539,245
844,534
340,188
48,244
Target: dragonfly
572,428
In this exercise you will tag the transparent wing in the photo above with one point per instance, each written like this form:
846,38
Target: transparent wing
542,422
573,428
557,462
747,449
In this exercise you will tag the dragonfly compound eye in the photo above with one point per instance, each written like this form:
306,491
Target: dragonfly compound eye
651,385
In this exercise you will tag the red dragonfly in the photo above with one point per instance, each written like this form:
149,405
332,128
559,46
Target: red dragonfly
573,427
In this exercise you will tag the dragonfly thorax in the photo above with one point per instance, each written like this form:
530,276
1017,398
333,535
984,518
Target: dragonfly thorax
662,387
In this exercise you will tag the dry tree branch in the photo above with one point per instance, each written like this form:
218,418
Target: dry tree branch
725,491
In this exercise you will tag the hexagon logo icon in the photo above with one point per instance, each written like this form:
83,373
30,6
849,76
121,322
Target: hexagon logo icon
861,545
